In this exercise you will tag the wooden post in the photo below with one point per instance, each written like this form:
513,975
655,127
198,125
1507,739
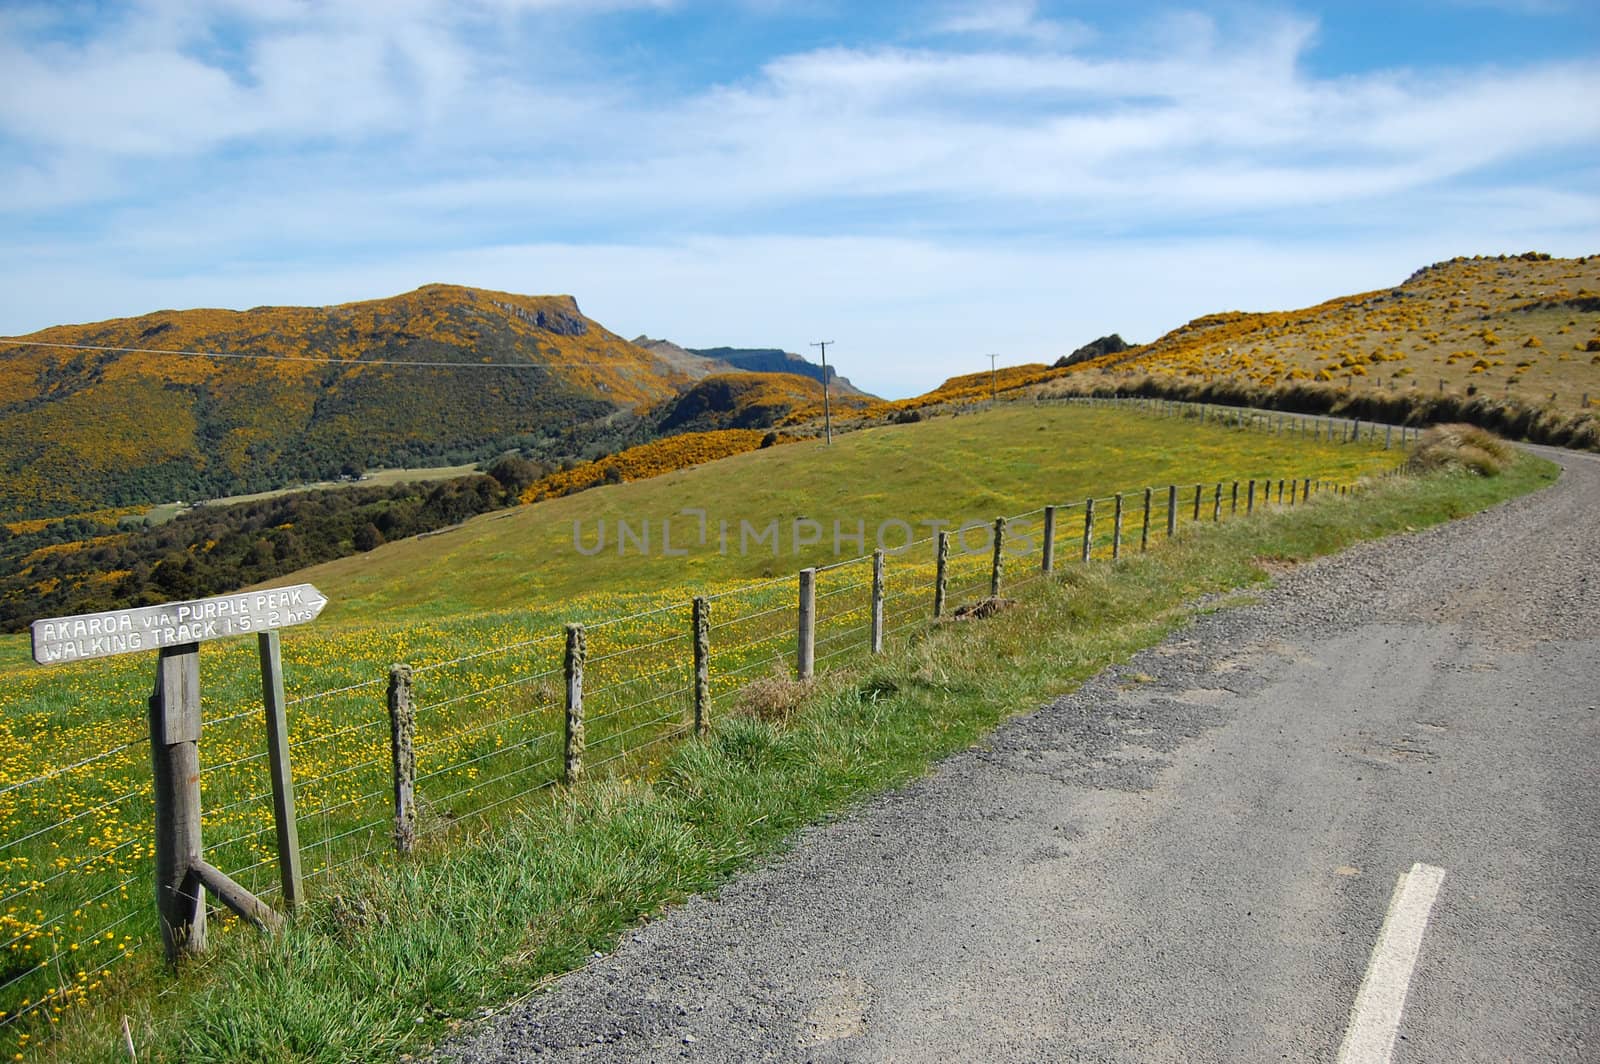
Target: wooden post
403,757
1280,491
806,635
1088,529
702,666
1116,529
1250,499
877,601
1292,485
940,567
1196,518
1305,491
175,758
572,745
278,764
1144,530
1172,510
1049,562
1216,505
997,563
1388,431
1234,506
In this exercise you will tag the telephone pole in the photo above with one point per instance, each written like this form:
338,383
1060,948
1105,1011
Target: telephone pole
994,389
827,414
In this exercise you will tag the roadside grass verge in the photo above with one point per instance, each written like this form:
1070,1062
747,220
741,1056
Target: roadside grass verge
390,959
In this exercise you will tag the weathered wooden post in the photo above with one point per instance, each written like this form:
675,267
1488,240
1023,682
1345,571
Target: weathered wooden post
1233,507
1216,504
806,636
1305,491
702,665
1144,530
1172,510
175,758
941,567
1280,491
1388,433
1048,562
875,640
278,764
1196,518
997,563
1088,529
403,757
572,744
1116,529
1250,499
176,630
1292,485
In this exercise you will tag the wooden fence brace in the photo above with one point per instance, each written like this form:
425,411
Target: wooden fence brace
806,636
277,722
1250,499
1144,529
702,665
1088,529
1172,510
1048,562
1116,529
1233,507
403,757
249,907
998,563
1216,505
876,640
940,571
1196,504
572,745
175,759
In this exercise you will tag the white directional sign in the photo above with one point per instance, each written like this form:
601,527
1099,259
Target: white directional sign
99,635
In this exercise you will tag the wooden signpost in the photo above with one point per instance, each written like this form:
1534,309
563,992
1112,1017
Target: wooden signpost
175,630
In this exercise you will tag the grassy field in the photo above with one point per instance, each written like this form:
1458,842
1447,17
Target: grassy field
479,612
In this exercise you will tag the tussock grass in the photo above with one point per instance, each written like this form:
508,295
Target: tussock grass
1465,447
398,955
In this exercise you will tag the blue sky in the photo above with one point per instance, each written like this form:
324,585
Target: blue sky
922,183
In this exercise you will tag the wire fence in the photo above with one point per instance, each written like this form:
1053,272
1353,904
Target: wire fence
76,866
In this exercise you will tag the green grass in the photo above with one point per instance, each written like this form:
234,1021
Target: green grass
386,960
496,594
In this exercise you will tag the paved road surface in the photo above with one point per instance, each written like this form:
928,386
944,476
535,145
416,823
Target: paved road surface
1191,858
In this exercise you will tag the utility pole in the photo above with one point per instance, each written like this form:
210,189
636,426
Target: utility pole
827,415
994,388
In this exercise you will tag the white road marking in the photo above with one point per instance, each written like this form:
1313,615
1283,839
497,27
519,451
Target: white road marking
1375,1019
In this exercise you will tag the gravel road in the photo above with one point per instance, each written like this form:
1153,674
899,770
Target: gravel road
1191,857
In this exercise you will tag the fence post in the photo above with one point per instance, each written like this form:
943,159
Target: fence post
1088,528
1280,491
1388,431
278,764
806,636
1049,561
1305,491
1144,530
175,758
1234,506
1196,518
1293,484
1216,505
941,566
1250,499
403,757
1116,529
997,564
877,601
702,666
572,739
1172,510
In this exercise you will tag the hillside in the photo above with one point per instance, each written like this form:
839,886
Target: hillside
775,360
443,372
1524,326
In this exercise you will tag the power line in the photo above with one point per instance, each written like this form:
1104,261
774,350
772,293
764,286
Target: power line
260,356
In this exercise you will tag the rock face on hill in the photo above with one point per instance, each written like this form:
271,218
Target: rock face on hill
1106,345
142,410
774,360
